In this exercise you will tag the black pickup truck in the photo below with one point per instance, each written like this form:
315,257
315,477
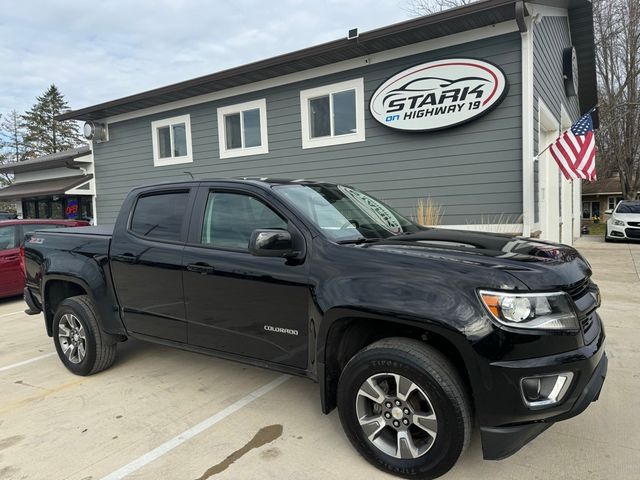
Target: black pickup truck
414,333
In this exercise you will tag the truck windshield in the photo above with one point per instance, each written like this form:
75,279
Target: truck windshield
344,213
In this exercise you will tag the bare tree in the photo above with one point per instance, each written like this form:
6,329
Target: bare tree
12,132
427,7
5,179
617,32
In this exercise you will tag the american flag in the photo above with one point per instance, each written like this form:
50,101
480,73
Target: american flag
575,150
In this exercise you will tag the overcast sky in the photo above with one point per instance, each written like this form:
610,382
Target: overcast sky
98,51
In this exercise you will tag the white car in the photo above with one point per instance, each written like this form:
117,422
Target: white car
624,222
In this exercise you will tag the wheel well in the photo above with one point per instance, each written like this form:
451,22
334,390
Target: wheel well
349,336
56,291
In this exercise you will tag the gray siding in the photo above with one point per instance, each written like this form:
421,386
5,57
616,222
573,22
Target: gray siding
473,170
550,37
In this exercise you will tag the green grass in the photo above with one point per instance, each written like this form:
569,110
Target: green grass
597,228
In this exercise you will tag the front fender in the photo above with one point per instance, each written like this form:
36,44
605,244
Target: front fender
337,319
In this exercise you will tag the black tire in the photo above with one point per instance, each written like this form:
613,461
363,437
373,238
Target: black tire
100,350
607,238
437,377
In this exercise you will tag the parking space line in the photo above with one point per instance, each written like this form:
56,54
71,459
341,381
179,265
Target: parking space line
195,430
12,313
25,362
633,260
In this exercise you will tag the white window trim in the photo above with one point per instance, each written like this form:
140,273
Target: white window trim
166,122
225,152
356,84
615,203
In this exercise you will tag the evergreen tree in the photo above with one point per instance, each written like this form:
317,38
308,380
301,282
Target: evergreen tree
12,133
45,134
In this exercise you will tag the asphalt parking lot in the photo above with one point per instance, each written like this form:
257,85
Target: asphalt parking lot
165,413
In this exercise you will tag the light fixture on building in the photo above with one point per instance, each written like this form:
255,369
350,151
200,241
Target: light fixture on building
352,34
95,131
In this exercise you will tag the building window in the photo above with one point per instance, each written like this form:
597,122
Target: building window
72,208
590,210
172,141
57,208
242,129
613,201
28,209
42,209
333,114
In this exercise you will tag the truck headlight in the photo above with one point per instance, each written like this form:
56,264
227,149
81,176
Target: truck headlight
542,311
620,223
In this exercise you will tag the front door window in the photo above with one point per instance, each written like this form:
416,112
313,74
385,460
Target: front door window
231,218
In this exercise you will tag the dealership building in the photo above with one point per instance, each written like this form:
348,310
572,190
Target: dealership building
452,107
58,185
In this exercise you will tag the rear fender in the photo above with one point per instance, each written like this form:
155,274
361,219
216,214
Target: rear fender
89,274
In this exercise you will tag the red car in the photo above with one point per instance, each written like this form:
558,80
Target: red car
11,234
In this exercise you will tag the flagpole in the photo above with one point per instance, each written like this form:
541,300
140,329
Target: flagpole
537,157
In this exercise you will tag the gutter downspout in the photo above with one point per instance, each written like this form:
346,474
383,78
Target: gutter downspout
526,34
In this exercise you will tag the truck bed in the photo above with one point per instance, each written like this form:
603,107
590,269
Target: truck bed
100,231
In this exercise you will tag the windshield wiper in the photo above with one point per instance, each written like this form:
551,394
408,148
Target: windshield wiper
358,241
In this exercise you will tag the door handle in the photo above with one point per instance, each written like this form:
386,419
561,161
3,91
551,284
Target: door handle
11,258
201,268
126,258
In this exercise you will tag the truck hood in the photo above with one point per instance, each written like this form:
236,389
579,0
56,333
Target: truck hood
538,264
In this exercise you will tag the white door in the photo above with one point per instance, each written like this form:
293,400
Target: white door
557,195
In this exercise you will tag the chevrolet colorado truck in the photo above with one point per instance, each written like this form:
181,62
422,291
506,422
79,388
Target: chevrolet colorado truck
415,334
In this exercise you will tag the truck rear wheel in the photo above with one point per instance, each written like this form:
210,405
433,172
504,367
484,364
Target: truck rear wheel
405,408
80,343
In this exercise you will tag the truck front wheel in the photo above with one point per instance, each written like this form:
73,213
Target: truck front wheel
80,343
405,408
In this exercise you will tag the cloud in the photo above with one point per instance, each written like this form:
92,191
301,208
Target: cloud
99,51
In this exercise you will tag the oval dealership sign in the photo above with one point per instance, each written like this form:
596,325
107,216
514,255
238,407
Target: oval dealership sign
439,94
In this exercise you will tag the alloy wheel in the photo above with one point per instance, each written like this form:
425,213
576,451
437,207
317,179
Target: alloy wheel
72,338
396,416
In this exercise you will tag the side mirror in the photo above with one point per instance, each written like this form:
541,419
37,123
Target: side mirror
271,243
608,212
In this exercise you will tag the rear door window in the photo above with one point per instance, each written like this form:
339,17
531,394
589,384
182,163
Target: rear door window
160,216
8,238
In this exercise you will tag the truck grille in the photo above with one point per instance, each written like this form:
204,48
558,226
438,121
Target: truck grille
577,291
587,323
